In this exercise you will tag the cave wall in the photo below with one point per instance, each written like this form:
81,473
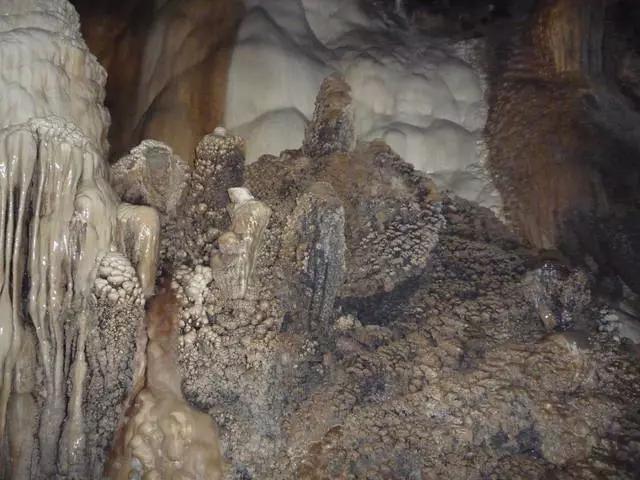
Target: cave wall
116,33
563,133
167,64
174,78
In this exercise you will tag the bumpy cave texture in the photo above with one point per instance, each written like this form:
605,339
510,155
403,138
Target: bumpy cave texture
319,239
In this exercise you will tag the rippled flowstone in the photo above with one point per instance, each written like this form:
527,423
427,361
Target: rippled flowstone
70,296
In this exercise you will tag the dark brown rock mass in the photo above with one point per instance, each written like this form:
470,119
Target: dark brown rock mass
561,136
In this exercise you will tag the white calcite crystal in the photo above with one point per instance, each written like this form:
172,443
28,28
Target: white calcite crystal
58,215
421,95
220,131
233,261
117,281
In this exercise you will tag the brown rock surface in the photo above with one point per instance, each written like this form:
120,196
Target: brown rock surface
167,64
433,363
562,137
543,152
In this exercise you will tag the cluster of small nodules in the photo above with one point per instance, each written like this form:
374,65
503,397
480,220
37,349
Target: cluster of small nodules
117,280
192,249
240,318
209,152
403,246
193,293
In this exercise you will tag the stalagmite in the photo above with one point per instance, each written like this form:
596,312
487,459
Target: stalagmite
234,260
314,243
138,237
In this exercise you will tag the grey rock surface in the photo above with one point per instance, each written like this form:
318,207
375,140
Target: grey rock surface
314,249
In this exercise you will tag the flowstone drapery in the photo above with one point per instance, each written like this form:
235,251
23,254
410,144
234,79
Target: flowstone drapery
58,224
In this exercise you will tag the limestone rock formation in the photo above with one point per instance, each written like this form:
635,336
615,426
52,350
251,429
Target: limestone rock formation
449,373
422,94
334,314
151,174
61,340
117,281
233,262
202,215
164,437
115,359
224,335
560,296
389,232
331,129
314,251
433,359
219,166
560,132
138,237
